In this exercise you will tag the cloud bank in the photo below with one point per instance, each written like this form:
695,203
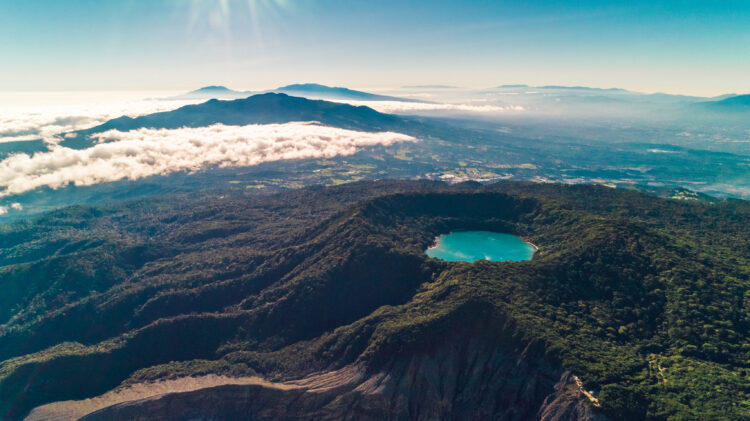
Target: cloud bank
146,152
29,116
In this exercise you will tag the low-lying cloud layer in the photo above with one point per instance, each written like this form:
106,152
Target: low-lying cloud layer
30,116
146,152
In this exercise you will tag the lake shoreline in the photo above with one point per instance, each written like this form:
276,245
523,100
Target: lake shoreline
472,246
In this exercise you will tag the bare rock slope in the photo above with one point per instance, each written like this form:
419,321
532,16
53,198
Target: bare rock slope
464,377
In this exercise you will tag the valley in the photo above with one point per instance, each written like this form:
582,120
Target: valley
388,146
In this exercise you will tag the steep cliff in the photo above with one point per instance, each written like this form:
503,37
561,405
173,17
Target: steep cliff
462,376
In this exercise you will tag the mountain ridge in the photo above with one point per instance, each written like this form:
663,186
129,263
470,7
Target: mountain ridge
311,90
265,108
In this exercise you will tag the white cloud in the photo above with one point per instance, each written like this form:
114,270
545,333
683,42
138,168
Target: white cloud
3,210
145,152
29,116
16,206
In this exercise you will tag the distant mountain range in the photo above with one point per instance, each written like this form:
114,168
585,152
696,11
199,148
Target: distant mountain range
584,89
307,90
557,95
617,102
213,92
265,108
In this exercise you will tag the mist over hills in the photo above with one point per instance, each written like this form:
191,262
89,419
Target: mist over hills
319,91
737,103
551,101
561,92
336,93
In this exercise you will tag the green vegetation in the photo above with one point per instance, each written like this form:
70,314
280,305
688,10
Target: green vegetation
646,300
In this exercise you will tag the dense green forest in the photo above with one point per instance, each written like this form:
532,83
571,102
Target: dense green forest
646,300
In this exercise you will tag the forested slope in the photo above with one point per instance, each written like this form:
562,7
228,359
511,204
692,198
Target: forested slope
644,300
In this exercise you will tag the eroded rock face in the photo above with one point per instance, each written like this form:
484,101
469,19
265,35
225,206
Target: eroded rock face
467,378
568,403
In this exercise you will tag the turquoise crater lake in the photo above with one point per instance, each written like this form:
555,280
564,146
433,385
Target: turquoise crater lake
469,246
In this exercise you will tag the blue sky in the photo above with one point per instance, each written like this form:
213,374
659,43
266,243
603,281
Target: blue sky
691,47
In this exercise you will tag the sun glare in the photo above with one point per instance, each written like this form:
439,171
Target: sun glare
220,20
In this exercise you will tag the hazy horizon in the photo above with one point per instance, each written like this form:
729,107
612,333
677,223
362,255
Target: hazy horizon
690,48
373,89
